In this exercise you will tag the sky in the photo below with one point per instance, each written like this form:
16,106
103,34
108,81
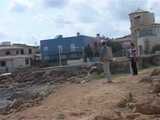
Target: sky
29,21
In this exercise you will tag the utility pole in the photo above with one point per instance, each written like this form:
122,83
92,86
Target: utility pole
59,53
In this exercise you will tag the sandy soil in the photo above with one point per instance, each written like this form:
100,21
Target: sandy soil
83,101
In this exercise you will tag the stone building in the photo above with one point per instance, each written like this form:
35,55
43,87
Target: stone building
145,32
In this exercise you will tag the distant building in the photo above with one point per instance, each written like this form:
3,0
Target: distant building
64,48
124,41
145,32
16,56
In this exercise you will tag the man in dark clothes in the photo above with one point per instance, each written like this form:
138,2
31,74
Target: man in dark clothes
88,53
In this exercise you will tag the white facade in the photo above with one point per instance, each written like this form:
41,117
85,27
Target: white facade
10,64
16,56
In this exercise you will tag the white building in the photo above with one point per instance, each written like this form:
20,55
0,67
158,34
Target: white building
145,32
16,56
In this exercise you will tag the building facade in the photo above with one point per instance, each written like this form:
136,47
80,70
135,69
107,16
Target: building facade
125,41
16,56
64,48
145,32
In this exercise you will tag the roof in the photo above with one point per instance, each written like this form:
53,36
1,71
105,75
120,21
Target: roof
72,37
22,45
126,36
139,11
15,46
123,39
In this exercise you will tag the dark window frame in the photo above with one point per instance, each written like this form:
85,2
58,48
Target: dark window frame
30,51
3,63
22,51
8,53
27,61
17,52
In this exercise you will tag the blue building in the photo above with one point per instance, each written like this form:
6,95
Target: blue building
64,48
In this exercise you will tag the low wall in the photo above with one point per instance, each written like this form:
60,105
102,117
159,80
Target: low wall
122,65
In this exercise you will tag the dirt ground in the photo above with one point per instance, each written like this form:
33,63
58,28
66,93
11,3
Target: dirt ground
85,101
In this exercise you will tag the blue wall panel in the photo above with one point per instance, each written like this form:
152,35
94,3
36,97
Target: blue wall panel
49,48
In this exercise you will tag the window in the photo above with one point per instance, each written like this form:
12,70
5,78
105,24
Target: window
3,63
27,61
146,32
137,17
30,51
17,52
46,58
8,53
72,47
45,48
22,51
60,49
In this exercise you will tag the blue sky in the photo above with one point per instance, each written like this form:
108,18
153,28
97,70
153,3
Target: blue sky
29,21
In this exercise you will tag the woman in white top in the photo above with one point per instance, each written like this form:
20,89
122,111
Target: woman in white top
133,59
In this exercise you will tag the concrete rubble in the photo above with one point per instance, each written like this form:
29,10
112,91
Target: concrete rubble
29,87
146,105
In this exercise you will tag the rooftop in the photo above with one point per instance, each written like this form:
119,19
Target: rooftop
67,37
139,11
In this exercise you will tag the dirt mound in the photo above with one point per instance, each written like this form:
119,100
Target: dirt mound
149,106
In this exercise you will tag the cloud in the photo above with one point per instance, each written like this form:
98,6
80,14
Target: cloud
87,14
121,8
55,3
62,20
20,6
108,17
3,35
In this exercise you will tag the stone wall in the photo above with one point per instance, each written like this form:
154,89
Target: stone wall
122,66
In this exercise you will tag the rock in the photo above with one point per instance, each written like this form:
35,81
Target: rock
155,72
77,114
104,117
132,116
147,79
5,106
149,107
156,88
60,116
127,101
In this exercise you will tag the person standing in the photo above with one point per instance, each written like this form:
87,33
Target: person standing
95,50
88,54
106,58
133,59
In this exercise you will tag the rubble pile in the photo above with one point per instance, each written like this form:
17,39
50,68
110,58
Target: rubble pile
146,105
151,104
26,88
